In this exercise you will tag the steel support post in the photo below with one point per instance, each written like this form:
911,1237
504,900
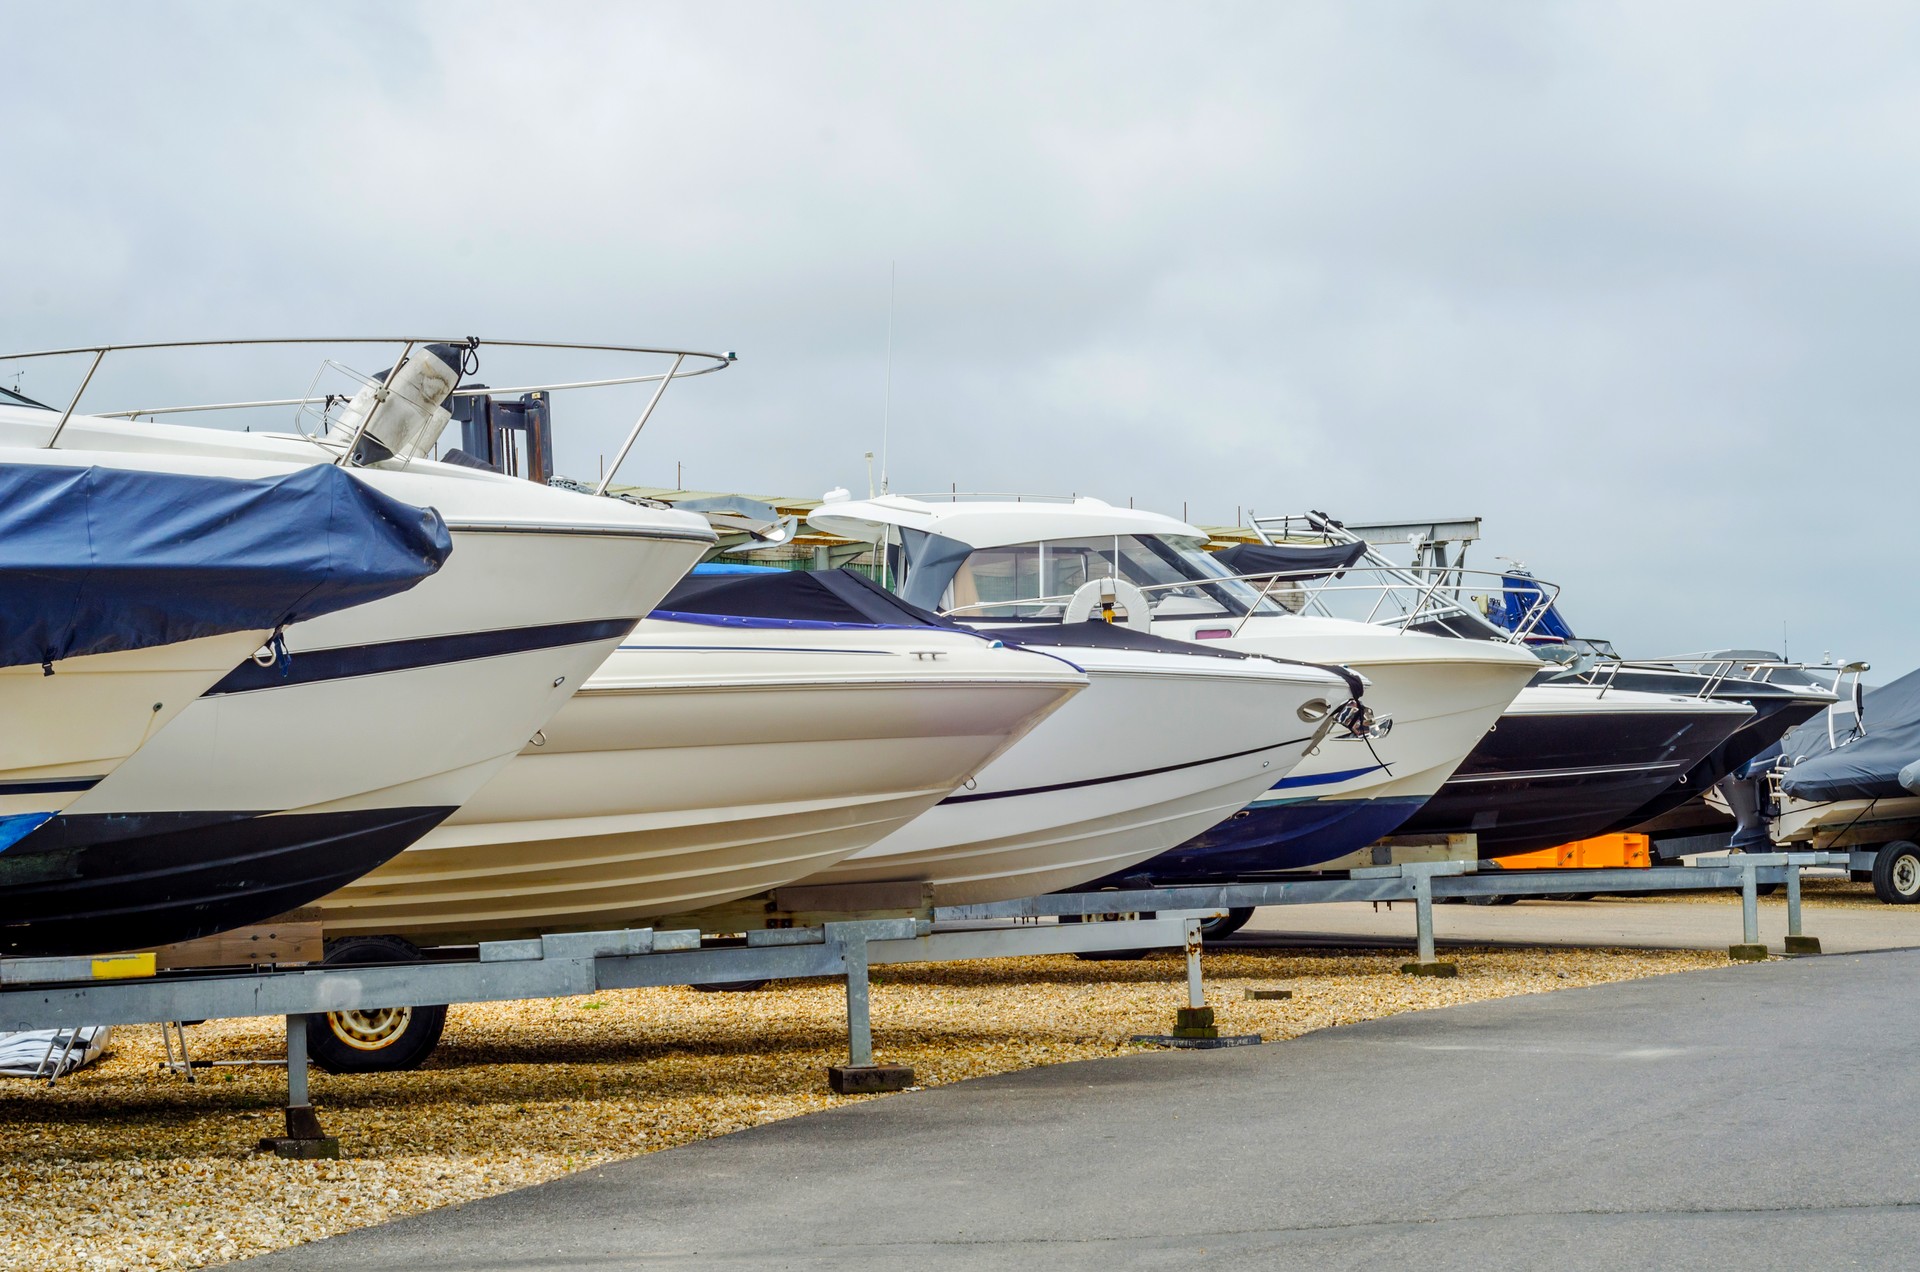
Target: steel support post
304,1138
1797,942
859,1006
1196,990
860,1075
297,1063
1750,950
1425,963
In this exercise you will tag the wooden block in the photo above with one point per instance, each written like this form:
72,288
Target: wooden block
1268,995
295,937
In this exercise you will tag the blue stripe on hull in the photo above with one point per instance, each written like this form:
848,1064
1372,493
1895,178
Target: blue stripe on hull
1269,837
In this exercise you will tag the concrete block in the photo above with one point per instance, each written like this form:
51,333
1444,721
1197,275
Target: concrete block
325,1148
1803,945
1442,970
1747,953
865,1079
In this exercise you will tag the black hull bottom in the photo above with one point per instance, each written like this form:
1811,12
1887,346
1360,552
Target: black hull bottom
1770,723
1543,780
104,882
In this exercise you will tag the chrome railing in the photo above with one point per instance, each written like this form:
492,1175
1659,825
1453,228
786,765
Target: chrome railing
703,364
1396,600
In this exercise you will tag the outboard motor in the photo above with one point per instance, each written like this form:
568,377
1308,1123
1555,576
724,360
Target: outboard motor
405,420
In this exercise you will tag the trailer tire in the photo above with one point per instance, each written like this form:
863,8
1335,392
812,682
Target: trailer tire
380,1040
1227,924
1896,873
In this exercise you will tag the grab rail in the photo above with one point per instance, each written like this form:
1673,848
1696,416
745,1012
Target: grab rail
705,363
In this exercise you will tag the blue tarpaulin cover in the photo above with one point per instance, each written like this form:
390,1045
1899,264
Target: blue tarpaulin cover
102,560
1864,767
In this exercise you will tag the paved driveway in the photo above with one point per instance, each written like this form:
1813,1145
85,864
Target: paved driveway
1749,1118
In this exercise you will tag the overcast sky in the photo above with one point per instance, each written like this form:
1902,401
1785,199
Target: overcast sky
1638,284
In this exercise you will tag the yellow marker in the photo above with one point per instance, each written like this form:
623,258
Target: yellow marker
123,966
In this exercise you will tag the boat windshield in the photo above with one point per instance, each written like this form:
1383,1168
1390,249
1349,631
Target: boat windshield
1034,580
9,397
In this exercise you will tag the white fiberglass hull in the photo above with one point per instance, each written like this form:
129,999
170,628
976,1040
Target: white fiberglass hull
704,763
66,732
1159,747
271,789
1845,823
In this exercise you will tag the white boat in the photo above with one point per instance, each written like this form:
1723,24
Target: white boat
1027,560
1161,746
283,782
131,592
706,762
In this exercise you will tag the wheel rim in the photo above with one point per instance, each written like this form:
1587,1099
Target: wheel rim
370,1030
1906,875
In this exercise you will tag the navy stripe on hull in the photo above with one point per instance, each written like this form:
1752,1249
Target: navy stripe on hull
1118,777
97,883
342,662
1265,838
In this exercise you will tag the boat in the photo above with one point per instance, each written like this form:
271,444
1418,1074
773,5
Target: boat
131,592
1167,739
721,752
1836,781
289,777
1566,761
1016,563
1595,743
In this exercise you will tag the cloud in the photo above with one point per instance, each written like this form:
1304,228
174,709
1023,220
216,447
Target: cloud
1634,282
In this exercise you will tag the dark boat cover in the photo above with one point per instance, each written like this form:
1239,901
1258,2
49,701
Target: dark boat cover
1297,560
104,560
1861,767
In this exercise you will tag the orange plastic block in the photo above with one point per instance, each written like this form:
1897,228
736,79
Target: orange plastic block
1600,852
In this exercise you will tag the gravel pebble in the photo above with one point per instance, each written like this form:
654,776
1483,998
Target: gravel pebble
124,1166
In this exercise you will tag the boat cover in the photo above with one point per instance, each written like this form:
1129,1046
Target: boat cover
1300,561
104,560
1519,598
1861,767
52,1053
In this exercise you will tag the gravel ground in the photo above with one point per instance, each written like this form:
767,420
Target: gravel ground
122,1166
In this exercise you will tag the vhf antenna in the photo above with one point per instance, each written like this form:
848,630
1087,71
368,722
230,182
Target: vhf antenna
886,410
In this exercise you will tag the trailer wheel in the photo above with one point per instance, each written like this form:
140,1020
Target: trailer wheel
1227,924
1896,873
379,1039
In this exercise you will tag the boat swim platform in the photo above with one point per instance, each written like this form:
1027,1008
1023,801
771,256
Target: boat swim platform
64,993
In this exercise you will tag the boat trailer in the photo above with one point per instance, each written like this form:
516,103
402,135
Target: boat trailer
66,993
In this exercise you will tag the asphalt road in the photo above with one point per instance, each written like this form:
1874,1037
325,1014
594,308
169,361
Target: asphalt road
1757,1117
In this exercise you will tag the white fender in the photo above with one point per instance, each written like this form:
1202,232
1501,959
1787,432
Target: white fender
1097,598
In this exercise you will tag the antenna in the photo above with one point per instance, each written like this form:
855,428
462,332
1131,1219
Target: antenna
869,474
886,410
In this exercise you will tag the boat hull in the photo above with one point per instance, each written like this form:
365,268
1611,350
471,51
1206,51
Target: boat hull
92,884
1157,749
703,764
1567,763
1441,694
66,732
408,703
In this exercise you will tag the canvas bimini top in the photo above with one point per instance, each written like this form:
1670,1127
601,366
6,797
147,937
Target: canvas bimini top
97,560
